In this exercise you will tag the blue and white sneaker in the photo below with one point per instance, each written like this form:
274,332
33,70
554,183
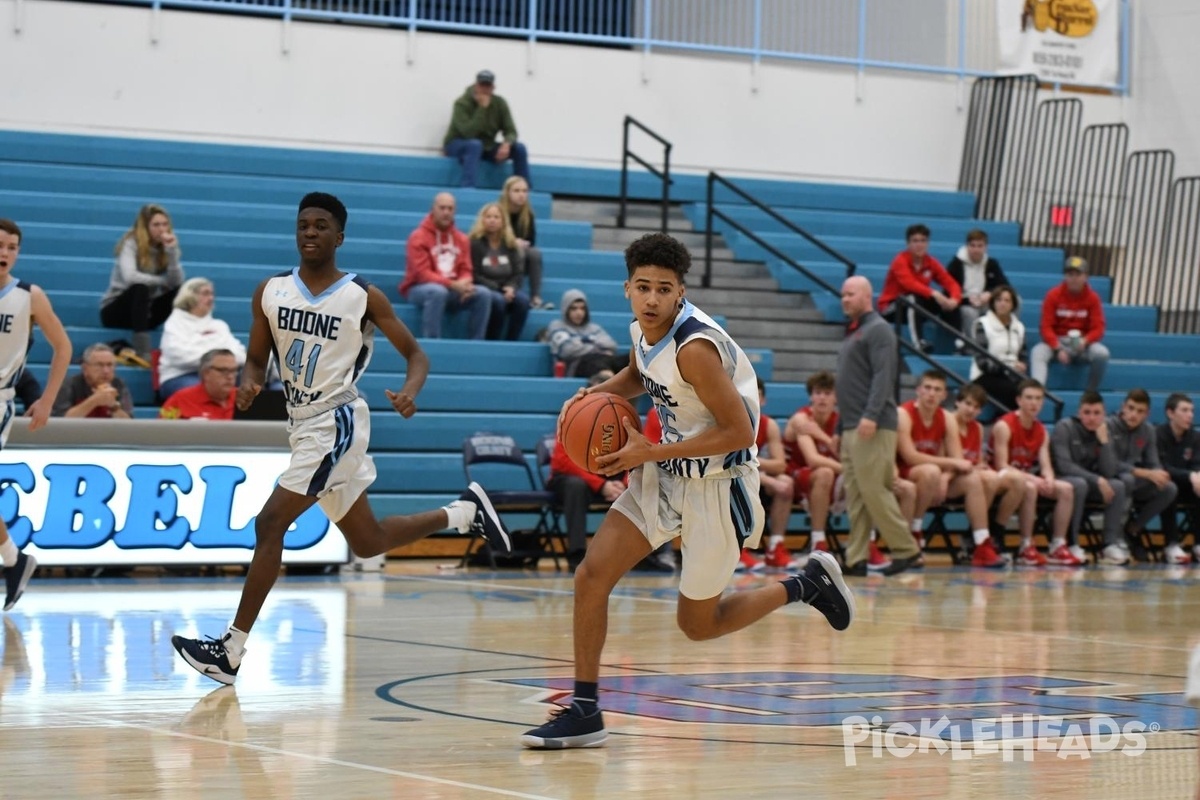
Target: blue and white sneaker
487,522
209,657
16,578
568,727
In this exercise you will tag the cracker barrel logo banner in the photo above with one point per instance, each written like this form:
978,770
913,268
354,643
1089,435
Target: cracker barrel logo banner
1072,42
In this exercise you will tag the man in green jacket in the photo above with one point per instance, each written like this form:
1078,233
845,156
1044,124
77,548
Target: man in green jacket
480,114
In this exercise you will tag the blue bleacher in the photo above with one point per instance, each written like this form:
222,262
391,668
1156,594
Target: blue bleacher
234,207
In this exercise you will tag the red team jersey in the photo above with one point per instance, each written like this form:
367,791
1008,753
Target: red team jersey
972,441
928,439
1023,445
795,457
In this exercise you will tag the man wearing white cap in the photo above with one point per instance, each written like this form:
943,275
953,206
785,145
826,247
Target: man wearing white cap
1072,326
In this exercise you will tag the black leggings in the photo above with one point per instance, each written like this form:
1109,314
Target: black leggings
134,310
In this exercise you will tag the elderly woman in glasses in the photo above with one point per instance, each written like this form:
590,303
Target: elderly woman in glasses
189,333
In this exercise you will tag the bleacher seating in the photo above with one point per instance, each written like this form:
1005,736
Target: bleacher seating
234,209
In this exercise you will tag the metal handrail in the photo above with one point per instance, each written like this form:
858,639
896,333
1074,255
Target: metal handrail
711,212
664,176
902,303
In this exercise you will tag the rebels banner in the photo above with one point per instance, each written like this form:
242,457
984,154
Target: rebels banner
1061,41
99,507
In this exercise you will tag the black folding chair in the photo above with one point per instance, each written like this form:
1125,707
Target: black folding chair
496,462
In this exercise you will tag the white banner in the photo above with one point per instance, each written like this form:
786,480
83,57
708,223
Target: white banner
1061,41
101,507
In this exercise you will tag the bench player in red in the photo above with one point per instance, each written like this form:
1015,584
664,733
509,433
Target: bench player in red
1020,442
929,452
1006,484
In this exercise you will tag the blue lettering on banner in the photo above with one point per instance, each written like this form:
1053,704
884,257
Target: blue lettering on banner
79,515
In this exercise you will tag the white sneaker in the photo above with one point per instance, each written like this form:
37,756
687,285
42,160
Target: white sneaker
1078,552
1176,555
1115,554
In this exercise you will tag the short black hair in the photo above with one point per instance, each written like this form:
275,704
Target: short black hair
8,226
916,230
326,202
1030,383
823,380
1140,396
658,250
1175,398
973,392
1090,397
934,375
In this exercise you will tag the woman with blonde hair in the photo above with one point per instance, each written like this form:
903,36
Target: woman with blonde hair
144,281
514,203
499,270
189,333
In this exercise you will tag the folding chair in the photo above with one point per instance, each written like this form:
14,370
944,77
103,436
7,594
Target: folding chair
495,461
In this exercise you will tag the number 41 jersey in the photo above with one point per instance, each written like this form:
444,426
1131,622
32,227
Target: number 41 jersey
322,343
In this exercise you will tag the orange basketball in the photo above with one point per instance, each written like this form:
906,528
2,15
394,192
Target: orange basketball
593,428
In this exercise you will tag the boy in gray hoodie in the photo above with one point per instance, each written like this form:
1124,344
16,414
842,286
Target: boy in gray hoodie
582,345
1146,482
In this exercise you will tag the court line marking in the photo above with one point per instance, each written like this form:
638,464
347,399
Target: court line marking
956,629
337,762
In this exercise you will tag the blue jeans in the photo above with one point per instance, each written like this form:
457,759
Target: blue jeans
515,312
469,151
435,300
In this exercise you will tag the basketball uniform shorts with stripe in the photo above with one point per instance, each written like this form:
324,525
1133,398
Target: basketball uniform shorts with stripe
8,412
329,457
714,517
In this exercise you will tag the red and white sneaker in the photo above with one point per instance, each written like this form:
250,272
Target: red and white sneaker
1174,554
1063,557
778,557
822,545
1031,557
876,560
748,563
986,557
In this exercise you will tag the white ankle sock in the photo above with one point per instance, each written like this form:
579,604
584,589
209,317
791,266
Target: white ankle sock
8,552
981,536
235,645
459,515
917,525
1025,543
775,539
1057,543
818,536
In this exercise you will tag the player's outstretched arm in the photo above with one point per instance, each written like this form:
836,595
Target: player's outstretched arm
258,352
380,311
45,318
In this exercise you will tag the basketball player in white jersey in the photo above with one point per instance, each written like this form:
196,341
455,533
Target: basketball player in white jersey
22,306
700,483
321,324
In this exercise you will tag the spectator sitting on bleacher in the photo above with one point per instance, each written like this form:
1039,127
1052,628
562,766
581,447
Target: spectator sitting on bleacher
1147,484
1072,327
1179,451
1008,485
978,275
1082,448
189,333
499,269
776,482
1003,336
929,452
1019,442
583,346
213,397
911,274
144,282
438,277
479,116
95,391
514,202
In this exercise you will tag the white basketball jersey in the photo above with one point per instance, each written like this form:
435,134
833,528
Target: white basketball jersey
322,344
682,414
15,333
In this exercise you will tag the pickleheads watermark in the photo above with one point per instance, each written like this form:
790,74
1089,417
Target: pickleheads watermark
1009,735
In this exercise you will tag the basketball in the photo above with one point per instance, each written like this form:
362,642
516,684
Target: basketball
593,428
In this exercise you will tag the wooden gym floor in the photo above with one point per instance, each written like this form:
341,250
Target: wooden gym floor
416,684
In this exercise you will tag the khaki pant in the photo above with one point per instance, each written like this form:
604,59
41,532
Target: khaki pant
868,469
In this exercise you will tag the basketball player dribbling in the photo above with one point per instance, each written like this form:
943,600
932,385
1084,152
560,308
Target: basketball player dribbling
22,306
321,323
700,482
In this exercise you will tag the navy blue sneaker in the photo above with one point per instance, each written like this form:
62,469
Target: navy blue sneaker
207,657
568,727
487,522
16,578
825,590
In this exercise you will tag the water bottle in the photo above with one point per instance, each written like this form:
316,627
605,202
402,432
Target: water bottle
1074,340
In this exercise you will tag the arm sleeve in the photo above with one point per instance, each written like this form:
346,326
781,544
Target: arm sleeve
948,283
420,264
1064,463
532,237
955,270
468,120
1109,466
174,274
126,397
999,278
979,334
506,122
882,355
565,345
63,402
127,265
1150,454
1095,320
909,283
1049,337
517,259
